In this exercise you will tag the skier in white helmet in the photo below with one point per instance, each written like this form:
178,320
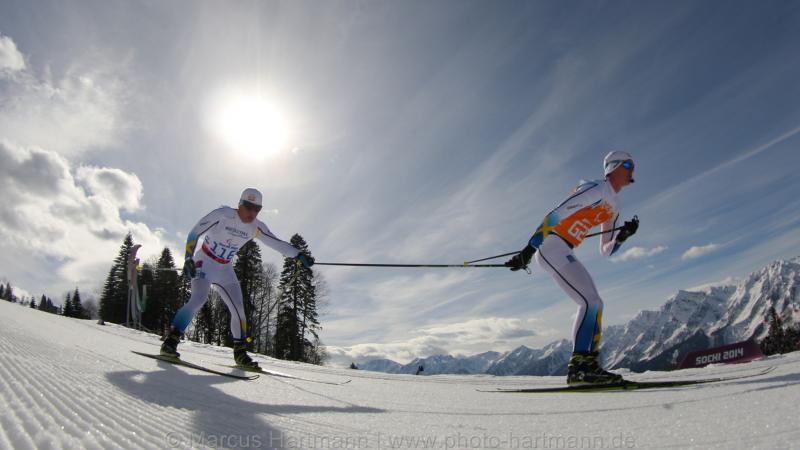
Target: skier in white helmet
225,230
564,228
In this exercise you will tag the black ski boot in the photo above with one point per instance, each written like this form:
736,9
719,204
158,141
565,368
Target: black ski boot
170,345
241,357
584,369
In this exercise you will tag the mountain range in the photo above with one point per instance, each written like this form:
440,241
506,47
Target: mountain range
652,340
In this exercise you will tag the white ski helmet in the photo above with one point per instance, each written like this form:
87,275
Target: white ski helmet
252,196
615,159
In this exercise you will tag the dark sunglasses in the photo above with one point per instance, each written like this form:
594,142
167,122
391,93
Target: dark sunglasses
251,206
627,164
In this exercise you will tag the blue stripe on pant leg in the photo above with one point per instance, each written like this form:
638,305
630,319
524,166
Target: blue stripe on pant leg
182,318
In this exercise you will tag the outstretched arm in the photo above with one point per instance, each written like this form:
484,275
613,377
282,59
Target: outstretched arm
270,240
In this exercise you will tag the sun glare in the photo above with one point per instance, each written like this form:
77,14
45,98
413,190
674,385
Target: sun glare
252,126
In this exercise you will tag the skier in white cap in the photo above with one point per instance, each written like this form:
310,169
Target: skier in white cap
225,230
564,228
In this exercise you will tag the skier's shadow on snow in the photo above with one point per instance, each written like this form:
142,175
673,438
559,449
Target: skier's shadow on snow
215,414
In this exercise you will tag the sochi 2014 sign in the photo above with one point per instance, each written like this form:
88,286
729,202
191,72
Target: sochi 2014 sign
741,352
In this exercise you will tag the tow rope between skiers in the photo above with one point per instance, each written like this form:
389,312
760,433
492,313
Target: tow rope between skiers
465,264
408,265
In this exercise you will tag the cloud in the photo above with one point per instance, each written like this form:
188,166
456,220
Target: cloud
726,282
120,187
47,215
78,111
696,252
492,329
638,253
452,338
11,60
402,352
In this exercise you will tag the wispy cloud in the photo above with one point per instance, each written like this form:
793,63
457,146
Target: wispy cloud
697,252
683,186
79,111
638,253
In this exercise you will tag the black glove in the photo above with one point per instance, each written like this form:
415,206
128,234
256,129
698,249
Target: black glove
188,268
521,259
628,229
306,260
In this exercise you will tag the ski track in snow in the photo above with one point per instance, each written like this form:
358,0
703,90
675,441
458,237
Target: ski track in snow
69,384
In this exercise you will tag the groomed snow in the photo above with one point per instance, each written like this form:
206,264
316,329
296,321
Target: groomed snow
67,383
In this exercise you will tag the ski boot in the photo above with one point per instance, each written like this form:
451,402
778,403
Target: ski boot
584,369
170,345
242,358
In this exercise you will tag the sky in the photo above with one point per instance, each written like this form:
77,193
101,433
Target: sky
403,132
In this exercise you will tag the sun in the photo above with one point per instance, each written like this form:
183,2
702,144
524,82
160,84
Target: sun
251,125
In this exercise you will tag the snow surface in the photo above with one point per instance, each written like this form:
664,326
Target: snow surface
67,383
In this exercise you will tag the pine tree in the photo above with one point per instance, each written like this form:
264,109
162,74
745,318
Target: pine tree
77,306
9,293
184,294
248,269
204,329
221,316
779,340
43,303
296,336
164,295
2,292
33,303
266,304
145,279
114,299
67,310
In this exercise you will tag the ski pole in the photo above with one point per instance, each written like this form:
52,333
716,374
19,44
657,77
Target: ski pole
635,219
491,257
408,265
603,232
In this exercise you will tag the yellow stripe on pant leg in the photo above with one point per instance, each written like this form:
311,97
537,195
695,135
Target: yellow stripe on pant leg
598,331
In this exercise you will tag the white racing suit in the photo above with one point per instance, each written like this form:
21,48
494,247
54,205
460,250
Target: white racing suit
590,204
224,234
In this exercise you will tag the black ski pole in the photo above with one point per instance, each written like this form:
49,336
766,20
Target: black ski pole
491,257
603,232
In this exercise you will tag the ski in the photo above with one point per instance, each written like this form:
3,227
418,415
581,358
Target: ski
272,373
628,385
180,362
